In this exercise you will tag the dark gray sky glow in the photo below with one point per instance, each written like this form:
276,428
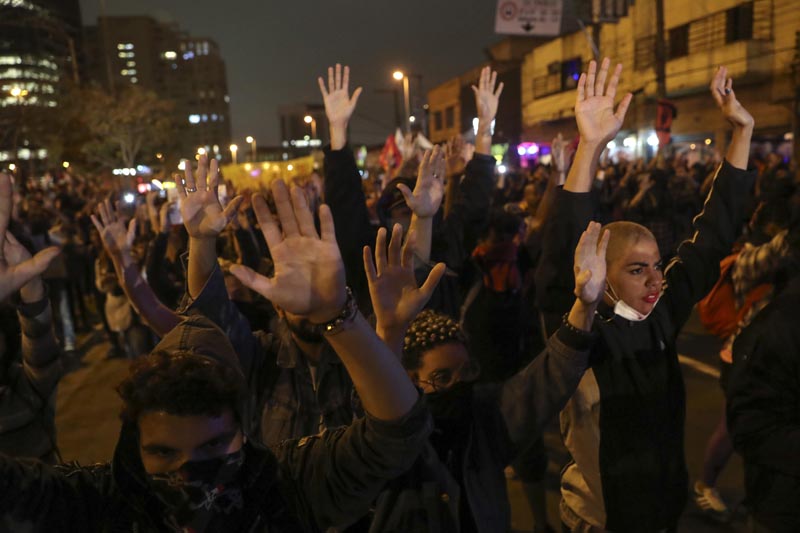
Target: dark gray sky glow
274,50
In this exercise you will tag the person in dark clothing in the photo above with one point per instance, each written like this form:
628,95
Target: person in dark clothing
624,427
184,460
479,427
763,406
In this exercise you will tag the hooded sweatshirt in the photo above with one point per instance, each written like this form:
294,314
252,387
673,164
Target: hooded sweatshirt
303,485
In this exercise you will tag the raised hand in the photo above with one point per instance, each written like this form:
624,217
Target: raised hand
17,267
454,156
396,298
339,104
590,264
202,213
487,97
722,90
598,123
117,240
163,217
426,198
309,273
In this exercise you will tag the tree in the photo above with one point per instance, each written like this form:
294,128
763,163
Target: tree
123,126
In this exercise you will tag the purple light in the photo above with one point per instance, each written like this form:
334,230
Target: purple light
576,76
533,149
521,150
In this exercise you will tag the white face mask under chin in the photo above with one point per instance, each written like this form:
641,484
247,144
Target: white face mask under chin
624,310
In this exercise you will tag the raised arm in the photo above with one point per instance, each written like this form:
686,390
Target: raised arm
309,281
598,123
396,297
696,268
539,391
204,219
118,242
487,99
425,200
342,187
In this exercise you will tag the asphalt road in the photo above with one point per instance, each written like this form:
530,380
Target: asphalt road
88,424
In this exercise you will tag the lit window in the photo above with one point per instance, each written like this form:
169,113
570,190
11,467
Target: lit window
227,99
134,79
131,63
205,118
132,71
194,119
120,46
129,46
188,55
214,117
202,94
170,55
124,72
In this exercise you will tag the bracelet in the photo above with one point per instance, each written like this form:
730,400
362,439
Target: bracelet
565,323
338,324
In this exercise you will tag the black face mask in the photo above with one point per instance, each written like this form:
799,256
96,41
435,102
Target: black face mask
453,405
201,493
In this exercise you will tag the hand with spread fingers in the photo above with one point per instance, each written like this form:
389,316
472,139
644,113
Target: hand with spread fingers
396,298
590,264
487,100
117,240
598,123
18,269
309,276
339,104
202,213
733,111
428,192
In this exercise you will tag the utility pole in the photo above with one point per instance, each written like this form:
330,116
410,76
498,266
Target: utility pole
661,52
796,104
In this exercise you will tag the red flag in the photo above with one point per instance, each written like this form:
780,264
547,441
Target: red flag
390,155
665,113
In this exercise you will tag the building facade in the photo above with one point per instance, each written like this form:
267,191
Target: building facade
40,52
756,40
185,69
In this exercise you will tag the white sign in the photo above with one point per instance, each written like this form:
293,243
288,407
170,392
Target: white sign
528,17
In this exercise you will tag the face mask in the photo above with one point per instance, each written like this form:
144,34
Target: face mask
200,493
624,310
453,404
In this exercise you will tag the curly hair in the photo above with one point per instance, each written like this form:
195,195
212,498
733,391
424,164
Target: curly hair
428,330
182,384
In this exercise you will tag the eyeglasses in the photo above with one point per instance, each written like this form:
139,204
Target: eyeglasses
443,379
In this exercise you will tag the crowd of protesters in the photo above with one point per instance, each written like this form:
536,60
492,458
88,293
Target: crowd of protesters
320,355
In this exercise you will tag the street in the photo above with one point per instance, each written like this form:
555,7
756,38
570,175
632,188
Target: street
88,424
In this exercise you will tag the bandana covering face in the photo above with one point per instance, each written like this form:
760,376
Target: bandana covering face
201,493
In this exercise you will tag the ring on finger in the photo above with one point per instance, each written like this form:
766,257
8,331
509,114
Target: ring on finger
191,189
727,91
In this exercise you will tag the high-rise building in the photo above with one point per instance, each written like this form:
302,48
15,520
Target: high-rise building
39,50
188,70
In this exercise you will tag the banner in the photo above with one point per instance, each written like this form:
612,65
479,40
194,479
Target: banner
529,17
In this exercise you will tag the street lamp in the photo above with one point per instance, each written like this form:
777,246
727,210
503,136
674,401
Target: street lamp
399,75
19,93
308,119
252,141
201,151
233,149
65,164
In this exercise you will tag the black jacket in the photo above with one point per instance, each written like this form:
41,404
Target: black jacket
631,405
764,411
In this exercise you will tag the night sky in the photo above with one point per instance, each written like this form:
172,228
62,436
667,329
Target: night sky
275,50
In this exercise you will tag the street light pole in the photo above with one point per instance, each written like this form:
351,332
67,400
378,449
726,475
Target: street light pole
308,119
252,141
234,149
399,75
